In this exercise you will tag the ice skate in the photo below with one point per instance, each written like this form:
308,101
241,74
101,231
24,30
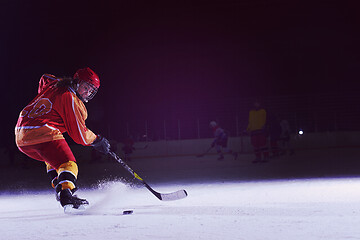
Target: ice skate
58,189
70,201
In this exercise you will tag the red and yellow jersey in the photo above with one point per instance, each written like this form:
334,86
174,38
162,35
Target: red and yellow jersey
52,112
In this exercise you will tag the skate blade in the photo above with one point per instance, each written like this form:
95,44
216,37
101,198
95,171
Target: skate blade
69,209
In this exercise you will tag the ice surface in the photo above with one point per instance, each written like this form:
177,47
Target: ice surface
311,195
288,209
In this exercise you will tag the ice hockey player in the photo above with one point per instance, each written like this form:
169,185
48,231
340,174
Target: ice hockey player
220,141
58,108
258,132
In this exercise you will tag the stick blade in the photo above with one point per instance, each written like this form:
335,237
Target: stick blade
173,196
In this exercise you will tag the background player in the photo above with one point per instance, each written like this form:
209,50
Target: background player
258,132
220,141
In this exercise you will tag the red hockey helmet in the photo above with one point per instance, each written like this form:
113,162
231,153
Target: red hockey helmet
88,83
87,75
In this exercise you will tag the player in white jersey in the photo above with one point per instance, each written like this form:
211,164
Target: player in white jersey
221,141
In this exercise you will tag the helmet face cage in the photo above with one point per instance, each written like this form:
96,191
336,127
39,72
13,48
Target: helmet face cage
86,90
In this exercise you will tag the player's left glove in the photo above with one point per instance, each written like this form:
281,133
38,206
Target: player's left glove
101,144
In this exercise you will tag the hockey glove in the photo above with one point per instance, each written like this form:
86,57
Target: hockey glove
101,144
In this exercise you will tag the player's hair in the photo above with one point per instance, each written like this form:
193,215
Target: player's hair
65,82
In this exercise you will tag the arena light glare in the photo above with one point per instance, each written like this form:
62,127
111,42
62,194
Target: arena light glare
301,132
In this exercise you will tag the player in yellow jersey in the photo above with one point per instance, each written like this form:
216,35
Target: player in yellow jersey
257,131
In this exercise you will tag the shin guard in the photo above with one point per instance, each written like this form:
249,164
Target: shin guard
67,175
53,175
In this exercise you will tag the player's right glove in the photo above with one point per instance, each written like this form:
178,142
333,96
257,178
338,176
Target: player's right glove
101,144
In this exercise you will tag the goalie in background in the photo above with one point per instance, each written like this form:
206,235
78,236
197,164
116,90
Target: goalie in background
221,141
58,108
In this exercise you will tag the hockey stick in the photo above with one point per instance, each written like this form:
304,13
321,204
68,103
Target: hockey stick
203,154
161,196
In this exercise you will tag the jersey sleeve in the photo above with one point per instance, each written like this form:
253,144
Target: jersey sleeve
74,114
45,81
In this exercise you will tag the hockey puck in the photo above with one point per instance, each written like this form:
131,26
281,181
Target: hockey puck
128,212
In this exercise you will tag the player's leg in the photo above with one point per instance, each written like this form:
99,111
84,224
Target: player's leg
219,152
52,174
59,157
67,176
32,151
257,151
263,146
226,149
275,149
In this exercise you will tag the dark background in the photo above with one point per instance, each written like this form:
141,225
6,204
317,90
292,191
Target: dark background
168,59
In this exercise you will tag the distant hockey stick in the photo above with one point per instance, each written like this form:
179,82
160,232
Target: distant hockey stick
161,196
203,154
